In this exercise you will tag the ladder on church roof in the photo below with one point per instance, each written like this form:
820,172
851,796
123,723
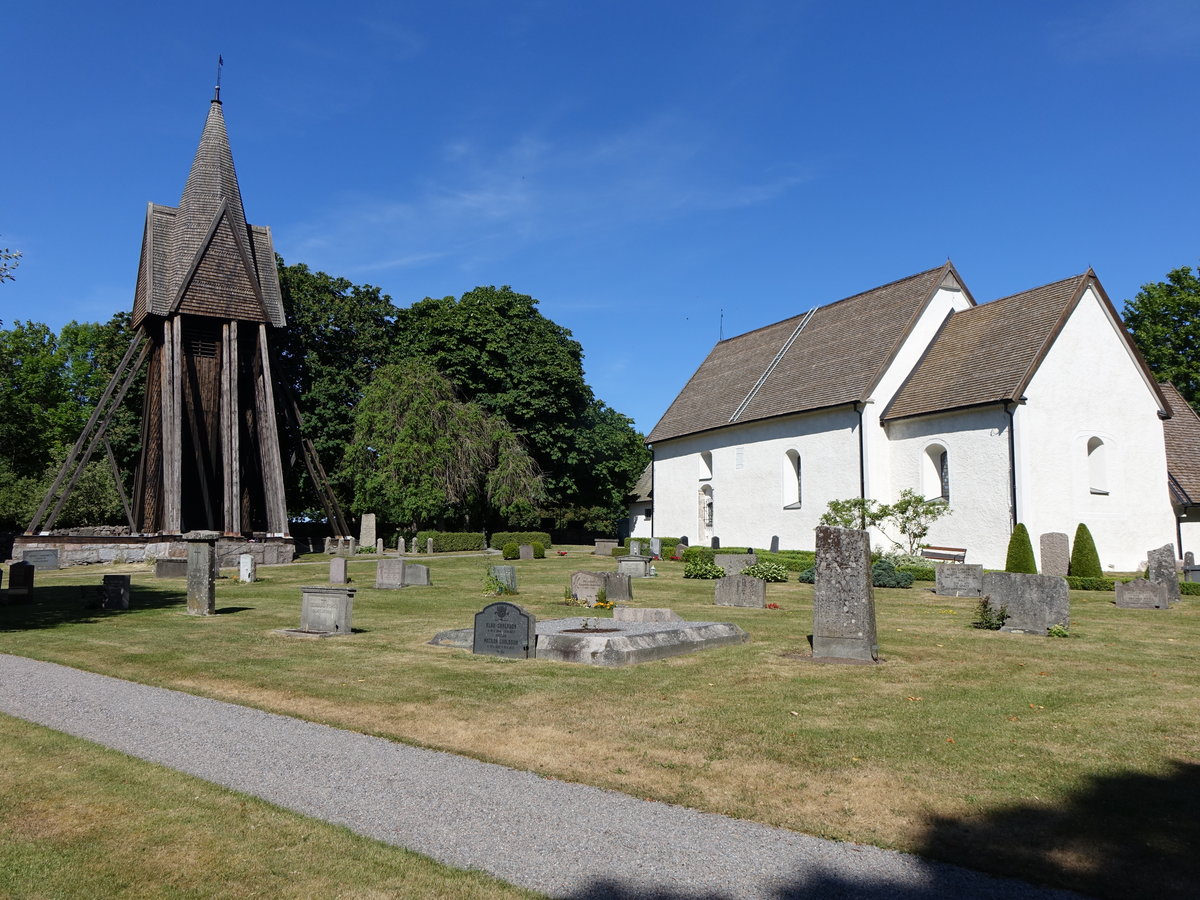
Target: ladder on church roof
787,345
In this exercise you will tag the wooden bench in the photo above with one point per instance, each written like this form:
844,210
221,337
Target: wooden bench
945,554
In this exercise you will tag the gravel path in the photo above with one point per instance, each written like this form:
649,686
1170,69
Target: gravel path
566,840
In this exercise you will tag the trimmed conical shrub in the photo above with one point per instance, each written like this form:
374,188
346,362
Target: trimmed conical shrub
1020,552
1085,561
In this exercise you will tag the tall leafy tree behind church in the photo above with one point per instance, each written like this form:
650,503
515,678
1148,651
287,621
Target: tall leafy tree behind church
1164,319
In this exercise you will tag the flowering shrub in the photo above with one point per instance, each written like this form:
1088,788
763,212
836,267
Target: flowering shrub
773,606
602,604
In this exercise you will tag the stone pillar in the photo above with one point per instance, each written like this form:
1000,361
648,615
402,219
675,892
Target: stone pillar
366,530
843,601
201,572
400,547
429,546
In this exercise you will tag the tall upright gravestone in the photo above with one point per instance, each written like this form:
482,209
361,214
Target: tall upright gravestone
843,601
201,572
366,530
1056,553
1161,566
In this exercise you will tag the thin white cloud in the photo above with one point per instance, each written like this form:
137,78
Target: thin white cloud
1153,28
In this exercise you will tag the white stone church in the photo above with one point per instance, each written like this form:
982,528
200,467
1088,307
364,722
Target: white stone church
1035,408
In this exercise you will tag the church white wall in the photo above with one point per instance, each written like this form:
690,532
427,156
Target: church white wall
1189,532
1088,386
749,479
980,489
639,523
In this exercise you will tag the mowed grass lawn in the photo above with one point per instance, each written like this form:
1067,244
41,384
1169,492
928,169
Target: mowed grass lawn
1072,761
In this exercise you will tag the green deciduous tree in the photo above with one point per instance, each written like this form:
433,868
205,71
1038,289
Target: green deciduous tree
1164,319
9,260
911,516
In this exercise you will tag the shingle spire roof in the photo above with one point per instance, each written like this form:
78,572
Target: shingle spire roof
1182,433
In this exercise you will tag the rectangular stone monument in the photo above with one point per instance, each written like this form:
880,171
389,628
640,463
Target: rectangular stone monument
400,546
525,551
429,546
389,574
733,563
326,610
504,629
1141,594
715,543
337,570
959,579
366,530
247,568
41,559
604,547
774,543
416,575
170,567
20,580
635,548
618,587
634,566
586,586
201,583
644,614
1056,553
843,600
740,590
506,575
1034,602
656,547
1162,570
116,591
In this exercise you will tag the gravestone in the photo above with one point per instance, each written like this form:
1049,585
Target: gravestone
506,575
683,541
715,543
400,548
1035,602
330,545
618,586
843,601
733,563
656,547
366,530
586,586
959,579
1056,554
116,591
389,574
504,629
429,546
416,575
634,566
604,547
740,590
1161,570
379,546
337,570
326,610
1191,572
645,614
171,567
635,548
774,543
1141,594
525,551
201,573
20,579
247,568
41,559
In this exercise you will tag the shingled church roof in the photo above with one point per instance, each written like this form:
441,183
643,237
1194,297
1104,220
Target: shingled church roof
829,356
1182,432
201,257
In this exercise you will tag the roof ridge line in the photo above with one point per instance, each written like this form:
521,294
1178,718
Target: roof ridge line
762,379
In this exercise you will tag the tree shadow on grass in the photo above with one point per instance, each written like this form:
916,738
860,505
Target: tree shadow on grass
53,605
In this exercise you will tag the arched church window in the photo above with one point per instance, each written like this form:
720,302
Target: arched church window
793,480
935,480
1097,454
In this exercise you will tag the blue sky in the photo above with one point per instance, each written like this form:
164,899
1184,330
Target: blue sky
638,167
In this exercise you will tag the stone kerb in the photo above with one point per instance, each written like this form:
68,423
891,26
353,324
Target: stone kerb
1141,594
326,610
1160,564
1056,553
959,579
843,599
740,590
1034,602
389,574
645,614
733,563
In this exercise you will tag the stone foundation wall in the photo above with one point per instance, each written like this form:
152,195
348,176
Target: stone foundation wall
84,550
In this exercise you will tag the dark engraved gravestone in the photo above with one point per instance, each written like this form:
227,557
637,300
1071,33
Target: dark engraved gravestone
116,591
959,579
20,579
1056,553
733,563
683,542
170,567
715,543
843,602
525,551
41,559
1034,602
740,590
1161,566
326,610
389,574
774,543
1141,594
201,573
504,629
337,570
506,575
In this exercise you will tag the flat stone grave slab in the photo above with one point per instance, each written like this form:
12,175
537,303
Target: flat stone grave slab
1141,594
740,590
959,579
41,559
733,563
1035,602
628,643
171,567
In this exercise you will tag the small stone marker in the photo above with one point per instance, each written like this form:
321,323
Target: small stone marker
366,530
774,543
506,575
247,568
740,590
170,567
635,548
645,614
416,575
1141,594
429,546
504,629
843,601
604,547
1035,602
733,563
1056,553
1161,566
201,571
959,579
116,591
715,543
400,548
634,566
326,610
389,574
337,570
41,559
20,579
379,546
525,551
1191,572
656,547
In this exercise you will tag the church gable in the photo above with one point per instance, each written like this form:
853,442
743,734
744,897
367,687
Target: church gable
223,284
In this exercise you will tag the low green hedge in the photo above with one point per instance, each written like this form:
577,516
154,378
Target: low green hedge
500,538
1191,588
919,573
792,560
1080,583
449,541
